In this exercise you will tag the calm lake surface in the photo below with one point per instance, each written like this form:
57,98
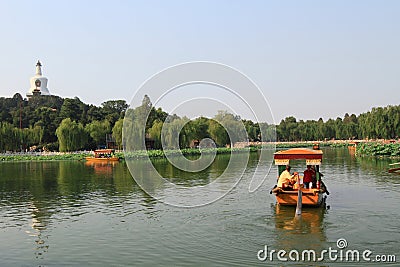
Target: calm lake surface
68,213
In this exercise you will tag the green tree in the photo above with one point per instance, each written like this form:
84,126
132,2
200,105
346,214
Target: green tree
97,130
330,126
287,129
198,128
72,108
45,117
218,133
71,135
117,132
252,129
267,132
136,125
31,136
155,133
113,110
94,113
10,139
174,135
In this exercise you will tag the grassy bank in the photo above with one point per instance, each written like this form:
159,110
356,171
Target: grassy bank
132,155
378,149
185,152
27,157
283,145
363,149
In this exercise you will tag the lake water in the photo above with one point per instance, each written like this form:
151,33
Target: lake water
68,213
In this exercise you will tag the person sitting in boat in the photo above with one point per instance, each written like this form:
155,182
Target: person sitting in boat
309,177
314,177
286,180
314,181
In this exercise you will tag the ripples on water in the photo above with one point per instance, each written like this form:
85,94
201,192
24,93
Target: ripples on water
69,213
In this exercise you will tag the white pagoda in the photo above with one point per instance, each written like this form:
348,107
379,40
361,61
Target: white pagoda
38,83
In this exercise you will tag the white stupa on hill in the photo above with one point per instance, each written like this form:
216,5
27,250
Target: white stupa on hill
38,83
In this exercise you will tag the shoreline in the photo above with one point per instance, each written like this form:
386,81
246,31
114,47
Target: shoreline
377,148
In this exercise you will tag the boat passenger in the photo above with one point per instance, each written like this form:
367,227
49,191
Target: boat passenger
322,184
314,177
286,180
309,177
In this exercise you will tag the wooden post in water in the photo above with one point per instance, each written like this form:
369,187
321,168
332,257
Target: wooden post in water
299,199
299,202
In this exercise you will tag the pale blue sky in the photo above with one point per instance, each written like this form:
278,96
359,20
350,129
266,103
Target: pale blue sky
343,54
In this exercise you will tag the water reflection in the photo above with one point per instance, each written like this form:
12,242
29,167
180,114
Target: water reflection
352,151
39,222
37,196
304,232
104,168
181,177
353,169
65,208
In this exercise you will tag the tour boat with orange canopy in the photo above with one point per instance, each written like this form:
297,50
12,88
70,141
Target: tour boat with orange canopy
313,196
103,155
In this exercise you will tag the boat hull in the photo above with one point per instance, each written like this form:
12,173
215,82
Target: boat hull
92,159
393,170
311,197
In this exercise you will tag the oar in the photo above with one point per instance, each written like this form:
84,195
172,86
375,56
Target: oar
273,189
326,188
299,199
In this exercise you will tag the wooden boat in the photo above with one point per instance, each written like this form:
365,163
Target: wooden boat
396,168
309,197
315,146
103,155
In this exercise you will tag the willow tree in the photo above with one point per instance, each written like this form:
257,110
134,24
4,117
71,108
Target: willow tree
117,132
227,129
71,135
174,135
10,139
155,133
98,130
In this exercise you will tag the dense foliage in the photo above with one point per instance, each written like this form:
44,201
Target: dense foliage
378,149
379,123
37,123
68,124
71,135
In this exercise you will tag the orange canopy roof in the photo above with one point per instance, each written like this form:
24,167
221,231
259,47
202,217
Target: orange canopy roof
298,153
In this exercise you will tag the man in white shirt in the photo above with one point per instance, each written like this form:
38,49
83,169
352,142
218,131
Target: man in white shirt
286,180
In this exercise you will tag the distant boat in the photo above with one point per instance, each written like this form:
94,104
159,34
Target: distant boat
103,155
396,169
309,197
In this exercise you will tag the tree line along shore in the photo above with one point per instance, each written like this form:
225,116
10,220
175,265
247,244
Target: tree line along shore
52,123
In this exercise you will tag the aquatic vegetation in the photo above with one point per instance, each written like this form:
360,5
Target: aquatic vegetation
378,149
310,144
363,149
40,157
157,153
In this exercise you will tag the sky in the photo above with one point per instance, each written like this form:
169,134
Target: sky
310,59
